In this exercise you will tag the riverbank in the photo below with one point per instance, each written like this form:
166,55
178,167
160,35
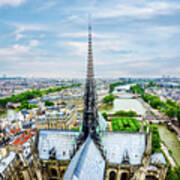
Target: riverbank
166,151
171,141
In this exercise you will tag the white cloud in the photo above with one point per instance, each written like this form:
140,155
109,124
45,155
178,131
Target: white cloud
17,50
84,34
99,46
14,50
46,6
22,28
19,36
11,2
42,35
146,10
164,31
33,43
79,48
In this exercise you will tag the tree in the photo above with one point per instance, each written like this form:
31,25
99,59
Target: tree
26,105
125,113
113,85
27,95
152,84
156,146
173,174
170,102
178,115
3,102
109,99
170,111
155,101
137,89
104,114
63,103
49,103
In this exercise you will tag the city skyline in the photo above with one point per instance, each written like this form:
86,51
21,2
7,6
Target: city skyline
49,39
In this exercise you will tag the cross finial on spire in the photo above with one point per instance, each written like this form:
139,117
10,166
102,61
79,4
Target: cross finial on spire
89,23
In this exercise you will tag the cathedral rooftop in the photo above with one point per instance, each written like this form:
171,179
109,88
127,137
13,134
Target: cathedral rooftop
118,144
86,164
61,141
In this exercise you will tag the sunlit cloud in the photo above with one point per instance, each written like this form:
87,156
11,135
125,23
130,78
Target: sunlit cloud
11,2
46,5
150,9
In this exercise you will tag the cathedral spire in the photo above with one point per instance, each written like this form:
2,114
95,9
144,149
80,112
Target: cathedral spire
90,71
90,121
90,116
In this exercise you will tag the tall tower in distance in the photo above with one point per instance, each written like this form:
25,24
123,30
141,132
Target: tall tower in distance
90,116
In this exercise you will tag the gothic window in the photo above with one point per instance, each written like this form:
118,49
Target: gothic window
112,175
62,173
124,176
53,172
151,178
64,153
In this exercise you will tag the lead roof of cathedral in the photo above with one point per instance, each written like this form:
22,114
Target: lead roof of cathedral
86,164
116,144
61,141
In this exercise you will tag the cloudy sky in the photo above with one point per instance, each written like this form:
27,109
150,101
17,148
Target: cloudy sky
131,38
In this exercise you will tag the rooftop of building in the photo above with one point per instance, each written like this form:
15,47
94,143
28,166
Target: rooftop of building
116,144
119,144
4,163
60,140
86,164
